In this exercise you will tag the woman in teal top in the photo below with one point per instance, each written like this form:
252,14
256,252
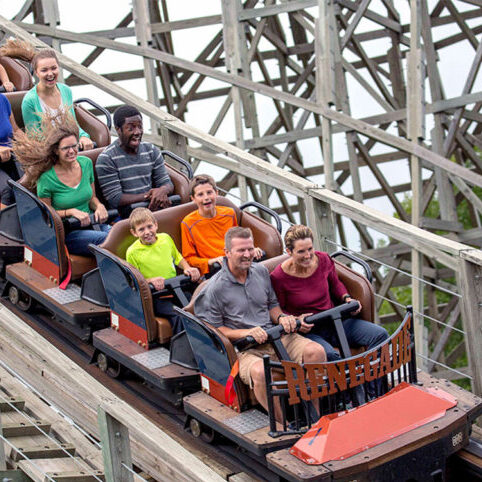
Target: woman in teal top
49,96
63,180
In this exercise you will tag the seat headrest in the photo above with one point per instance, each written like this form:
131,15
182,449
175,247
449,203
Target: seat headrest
15,99
98,131
18,73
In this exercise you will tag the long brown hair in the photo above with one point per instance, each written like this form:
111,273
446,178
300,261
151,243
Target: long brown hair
20,49
37,149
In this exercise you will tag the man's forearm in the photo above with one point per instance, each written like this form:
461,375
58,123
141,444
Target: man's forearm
233,335
274,314
166,188
132,198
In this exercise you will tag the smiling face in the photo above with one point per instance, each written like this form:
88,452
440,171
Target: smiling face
302,253
204,197
68,149
47,71
241,254
146,231
130,134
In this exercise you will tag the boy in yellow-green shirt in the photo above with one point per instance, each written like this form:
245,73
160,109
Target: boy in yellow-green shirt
155,255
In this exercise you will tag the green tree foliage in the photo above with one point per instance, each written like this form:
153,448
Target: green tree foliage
403,294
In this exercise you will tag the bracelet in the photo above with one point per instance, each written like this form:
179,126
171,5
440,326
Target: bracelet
279,316
345,297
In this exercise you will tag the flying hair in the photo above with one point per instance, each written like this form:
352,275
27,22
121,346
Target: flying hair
37,148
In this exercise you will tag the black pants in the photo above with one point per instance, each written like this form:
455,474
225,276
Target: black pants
9,170
164,308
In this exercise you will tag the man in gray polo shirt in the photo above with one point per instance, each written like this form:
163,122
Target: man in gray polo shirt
129,170
240,301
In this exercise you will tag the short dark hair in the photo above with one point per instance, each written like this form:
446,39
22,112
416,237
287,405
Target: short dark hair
236,232
122,112
201,179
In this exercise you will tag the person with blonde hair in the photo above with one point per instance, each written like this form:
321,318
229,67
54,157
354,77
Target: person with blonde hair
49,96
62,179
155,255
307,283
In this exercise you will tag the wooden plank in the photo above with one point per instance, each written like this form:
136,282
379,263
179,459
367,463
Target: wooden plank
78,395
3,463
441,225
11,403
45,451
59,425
46,470
291,6
24,428
74,476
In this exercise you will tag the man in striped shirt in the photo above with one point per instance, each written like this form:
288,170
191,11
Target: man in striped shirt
131,171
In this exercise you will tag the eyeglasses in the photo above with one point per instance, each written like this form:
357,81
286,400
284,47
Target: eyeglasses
74,147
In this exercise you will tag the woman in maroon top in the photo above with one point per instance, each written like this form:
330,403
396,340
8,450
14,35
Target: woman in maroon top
307,283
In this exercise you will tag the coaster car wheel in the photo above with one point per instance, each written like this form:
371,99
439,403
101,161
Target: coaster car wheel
20,299
109,366
199,430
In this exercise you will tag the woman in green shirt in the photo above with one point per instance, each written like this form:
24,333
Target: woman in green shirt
63,180
49,96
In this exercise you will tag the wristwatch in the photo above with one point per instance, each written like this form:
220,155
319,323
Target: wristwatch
345,297
280,315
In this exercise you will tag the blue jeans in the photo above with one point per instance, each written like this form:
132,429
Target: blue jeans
358,333
78,241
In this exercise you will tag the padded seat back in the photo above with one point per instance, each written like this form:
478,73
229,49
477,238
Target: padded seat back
169,220
15,99
18,73
98,131
130,299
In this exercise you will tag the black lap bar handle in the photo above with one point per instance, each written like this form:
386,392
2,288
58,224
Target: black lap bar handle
183,162
174,286
274,334
336,315
263,208
175,200
71,223
357,260
126,210
108,118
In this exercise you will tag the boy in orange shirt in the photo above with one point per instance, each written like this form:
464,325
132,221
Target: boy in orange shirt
203,231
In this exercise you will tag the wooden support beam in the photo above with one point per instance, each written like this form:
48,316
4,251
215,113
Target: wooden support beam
291,6
325,82
469,279
320,219
78,395
3,462
116,447
356,125
140,11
